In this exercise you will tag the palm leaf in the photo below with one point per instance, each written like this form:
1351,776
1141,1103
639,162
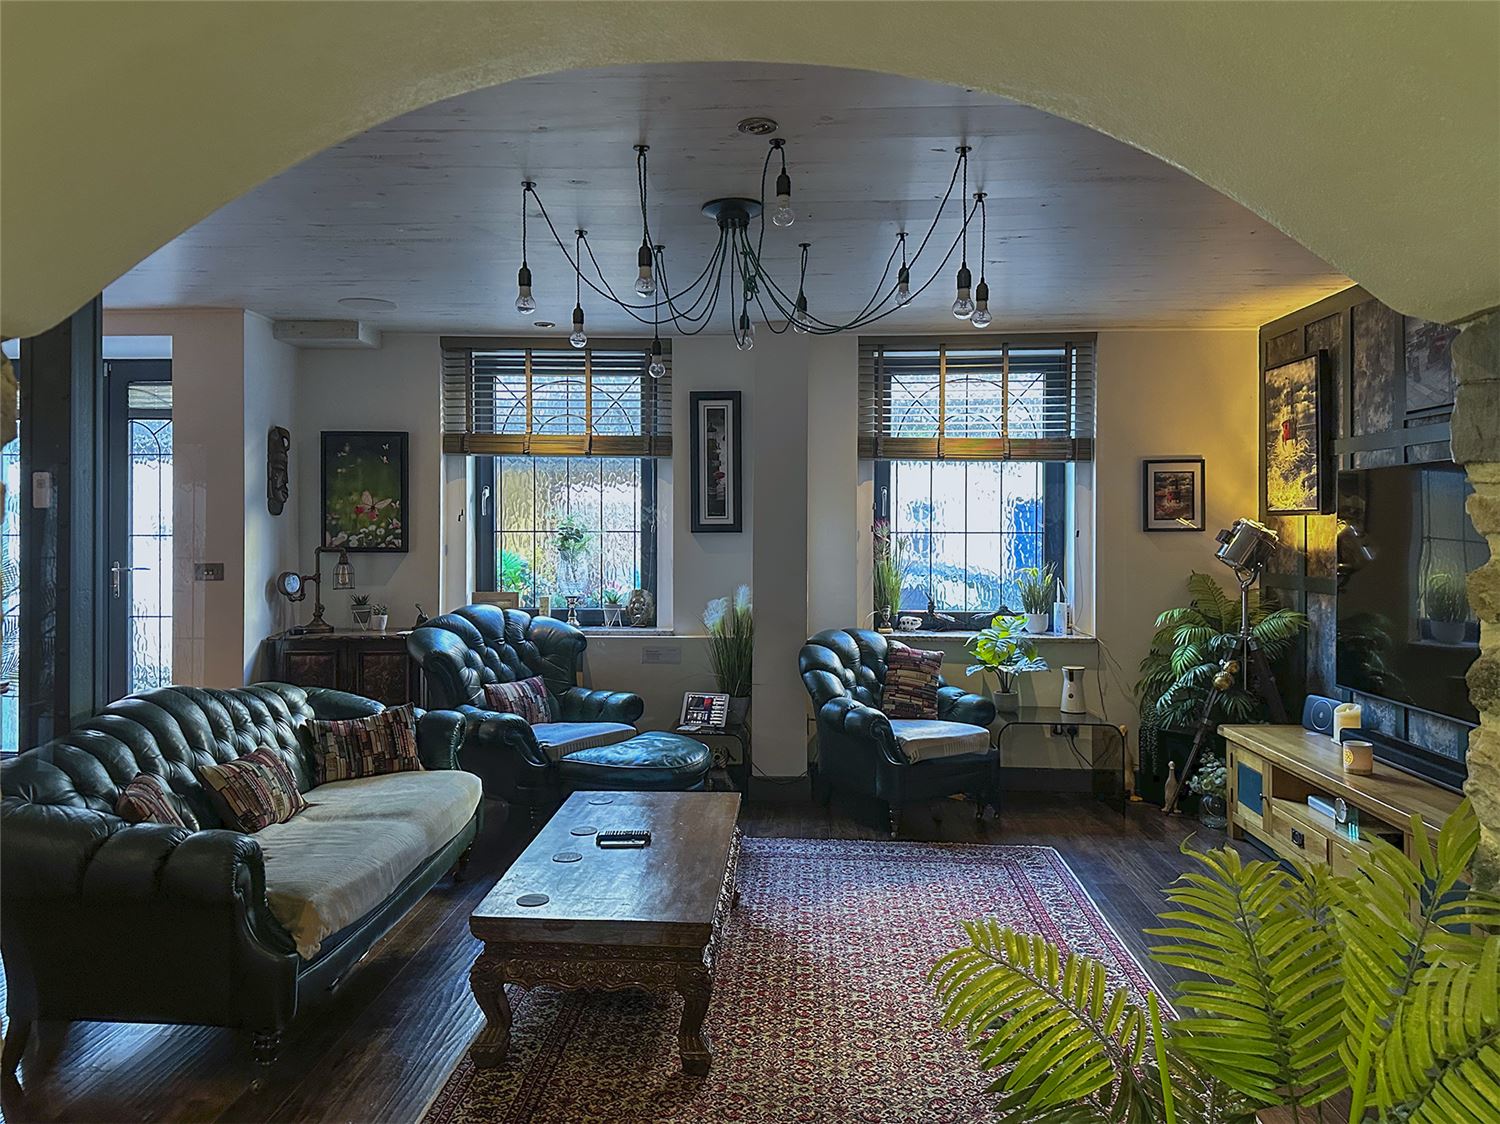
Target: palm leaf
1267,1016
1066,1046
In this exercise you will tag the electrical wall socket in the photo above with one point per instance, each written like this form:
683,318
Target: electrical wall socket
208,571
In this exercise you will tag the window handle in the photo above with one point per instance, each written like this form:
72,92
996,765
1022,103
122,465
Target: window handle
484,501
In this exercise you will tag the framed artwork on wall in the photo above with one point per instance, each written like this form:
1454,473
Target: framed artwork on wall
716,487
1297,440
1172,494
365,491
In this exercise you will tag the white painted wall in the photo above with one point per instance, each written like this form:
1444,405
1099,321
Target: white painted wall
396,386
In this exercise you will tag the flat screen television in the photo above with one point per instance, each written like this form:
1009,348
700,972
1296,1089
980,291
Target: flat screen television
1405,545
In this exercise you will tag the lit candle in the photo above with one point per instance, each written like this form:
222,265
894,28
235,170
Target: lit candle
1346,716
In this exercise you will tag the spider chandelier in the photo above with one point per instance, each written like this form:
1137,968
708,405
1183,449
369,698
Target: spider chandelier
735,268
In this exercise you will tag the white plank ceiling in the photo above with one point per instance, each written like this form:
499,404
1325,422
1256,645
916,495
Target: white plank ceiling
424,211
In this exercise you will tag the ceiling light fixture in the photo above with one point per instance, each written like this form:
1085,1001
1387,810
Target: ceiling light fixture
690,308
758,126
368,304
981,317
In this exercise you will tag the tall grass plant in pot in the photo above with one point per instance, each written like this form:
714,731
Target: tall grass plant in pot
1034,587
731,647
889,572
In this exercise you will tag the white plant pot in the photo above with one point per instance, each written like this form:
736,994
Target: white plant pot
378,621
1447,632
1036,623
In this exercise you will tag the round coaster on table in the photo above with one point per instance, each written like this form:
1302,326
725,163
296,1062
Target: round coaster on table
566,857
533,899
583,829
601,800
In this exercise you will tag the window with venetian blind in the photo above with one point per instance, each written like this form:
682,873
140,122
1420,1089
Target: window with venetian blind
971,442
559,435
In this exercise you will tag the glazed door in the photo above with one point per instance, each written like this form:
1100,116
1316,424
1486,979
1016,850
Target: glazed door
138,477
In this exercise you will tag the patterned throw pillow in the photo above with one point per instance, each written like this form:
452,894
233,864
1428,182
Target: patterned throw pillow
147,799
526,697
911,682
366,747
254,790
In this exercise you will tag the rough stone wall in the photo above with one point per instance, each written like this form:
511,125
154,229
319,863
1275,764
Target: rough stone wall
1476,445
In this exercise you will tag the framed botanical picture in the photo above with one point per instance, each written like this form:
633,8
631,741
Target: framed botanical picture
365,490
1297,439
716,487
1173,496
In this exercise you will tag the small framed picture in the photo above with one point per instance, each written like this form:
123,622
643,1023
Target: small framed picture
716,487
1173,495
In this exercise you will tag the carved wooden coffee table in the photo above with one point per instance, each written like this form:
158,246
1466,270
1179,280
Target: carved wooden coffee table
612,920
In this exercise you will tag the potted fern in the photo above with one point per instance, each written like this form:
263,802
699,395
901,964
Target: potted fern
1178,671
1034,587
1445,605
731,648
1002,650
1382,986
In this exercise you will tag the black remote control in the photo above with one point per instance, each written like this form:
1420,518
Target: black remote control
636,838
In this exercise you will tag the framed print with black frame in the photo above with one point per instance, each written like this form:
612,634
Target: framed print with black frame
716,490
366,489
1173,494
1297,408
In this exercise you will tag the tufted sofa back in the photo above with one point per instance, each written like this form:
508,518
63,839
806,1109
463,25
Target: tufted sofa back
169,732
463,650
843,662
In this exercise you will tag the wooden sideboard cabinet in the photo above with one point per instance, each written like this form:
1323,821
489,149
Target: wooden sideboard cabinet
373,664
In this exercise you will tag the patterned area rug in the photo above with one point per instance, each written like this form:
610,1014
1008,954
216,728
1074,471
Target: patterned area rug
821,1008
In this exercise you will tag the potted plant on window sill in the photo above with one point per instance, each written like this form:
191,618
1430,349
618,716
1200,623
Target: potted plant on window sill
572,544
731,646
613,605
889,571
1002,650
1035,589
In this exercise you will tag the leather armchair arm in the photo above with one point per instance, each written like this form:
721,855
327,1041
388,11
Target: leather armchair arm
329,705
954,704
440,735
579,704
855,721
494,732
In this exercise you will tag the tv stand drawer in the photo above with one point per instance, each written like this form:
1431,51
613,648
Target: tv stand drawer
1292,834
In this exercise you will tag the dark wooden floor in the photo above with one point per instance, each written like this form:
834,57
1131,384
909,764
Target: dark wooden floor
380,1047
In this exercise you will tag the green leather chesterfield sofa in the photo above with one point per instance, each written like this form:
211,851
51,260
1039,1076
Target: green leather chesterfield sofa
105,920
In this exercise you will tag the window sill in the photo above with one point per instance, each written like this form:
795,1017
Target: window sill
961,634
625,630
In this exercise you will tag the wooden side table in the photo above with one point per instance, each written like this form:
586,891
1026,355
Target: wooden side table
373,664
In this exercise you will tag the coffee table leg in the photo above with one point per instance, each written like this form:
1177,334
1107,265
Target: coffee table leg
695,987
487,981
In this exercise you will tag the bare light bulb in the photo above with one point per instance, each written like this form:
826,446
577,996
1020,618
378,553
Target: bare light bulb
801,322
657,368
783,215
645,282
578,339
963,304
524,301
744,339
903,286
981,316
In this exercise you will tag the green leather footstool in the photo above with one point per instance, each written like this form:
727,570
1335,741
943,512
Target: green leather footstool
655,761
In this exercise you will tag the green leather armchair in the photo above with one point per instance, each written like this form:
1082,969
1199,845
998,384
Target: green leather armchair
896,761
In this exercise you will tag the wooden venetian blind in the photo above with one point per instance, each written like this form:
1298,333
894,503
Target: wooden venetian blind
1025,398
523,397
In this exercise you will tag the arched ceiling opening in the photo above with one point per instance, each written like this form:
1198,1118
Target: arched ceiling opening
1369,132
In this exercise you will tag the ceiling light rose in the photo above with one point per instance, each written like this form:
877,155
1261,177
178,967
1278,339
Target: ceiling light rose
783,215
981,317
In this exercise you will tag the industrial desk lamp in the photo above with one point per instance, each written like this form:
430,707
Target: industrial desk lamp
293,586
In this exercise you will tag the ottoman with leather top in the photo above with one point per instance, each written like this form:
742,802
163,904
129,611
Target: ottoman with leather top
655,761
